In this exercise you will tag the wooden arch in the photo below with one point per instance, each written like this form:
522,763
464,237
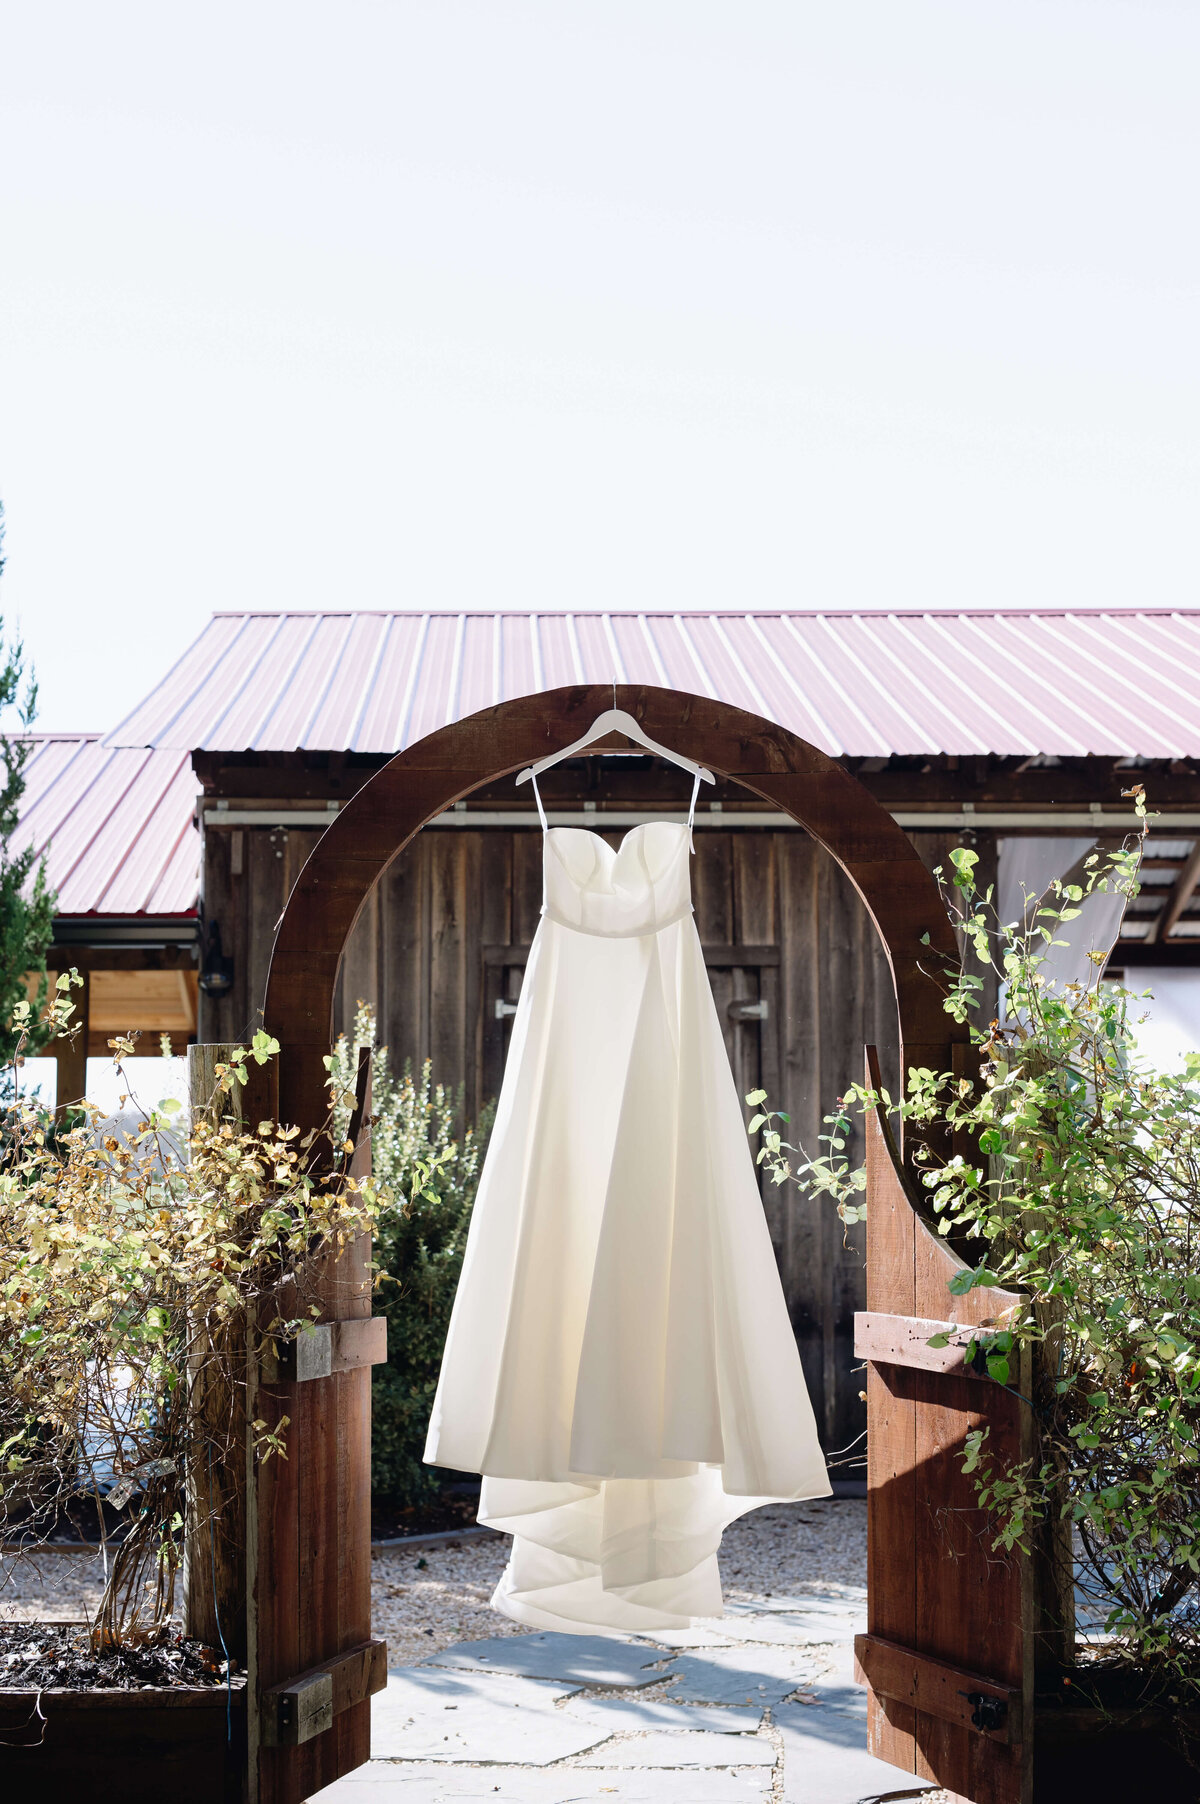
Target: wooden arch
932,1607
418,784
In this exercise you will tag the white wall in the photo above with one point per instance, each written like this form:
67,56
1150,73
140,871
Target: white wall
1172,1026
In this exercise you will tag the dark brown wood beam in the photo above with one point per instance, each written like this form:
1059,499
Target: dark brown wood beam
1178,898
70,1053
120,958
1177,954
899,783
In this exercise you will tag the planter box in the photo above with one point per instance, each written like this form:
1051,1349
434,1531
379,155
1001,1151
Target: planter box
1109,1757
142,1747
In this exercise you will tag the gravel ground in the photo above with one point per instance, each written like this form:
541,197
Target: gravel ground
50,1587
426,1598
430,1597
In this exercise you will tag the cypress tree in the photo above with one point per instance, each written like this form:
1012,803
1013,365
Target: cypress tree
26,900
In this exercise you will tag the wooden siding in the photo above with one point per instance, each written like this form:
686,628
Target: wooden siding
440,949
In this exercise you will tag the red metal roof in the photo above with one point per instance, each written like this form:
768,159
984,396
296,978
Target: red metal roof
117,826
1020,682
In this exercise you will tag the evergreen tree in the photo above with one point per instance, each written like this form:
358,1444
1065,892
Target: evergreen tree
26,901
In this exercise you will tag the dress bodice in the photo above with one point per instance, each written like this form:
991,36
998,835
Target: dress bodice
638,889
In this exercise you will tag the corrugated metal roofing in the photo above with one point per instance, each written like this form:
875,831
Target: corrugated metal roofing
1016,683
116,825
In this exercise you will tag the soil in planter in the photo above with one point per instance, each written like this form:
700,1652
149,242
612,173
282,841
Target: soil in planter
58,1656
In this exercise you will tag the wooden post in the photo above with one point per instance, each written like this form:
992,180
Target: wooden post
70,1051
215,1529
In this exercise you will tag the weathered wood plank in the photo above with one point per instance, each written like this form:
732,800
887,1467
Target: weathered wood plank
956,1694
137,1746
362,1343
903,1340
352,1724
891,1443
755,887
307,1705
312,1595
359,974
329,1347
314,1453
800,1053
970,1597
451,925
493,929
527,885
712,888
403,1001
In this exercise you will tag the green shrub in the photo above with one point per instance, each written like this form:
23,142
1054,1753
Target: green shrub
1083,1196
129,1282
431,1170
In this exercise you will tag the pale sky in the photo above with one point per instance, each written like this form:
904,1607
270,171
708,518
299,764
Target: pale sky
592,303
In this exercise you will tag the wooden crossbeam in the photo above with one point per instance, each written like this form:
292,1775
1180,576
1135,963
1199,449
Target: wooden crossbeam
903,1340
1180,894
938,1688
305,1706
328,1347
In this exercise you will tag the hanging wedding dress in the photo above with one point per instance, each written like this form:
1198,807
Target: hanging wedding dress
620,1366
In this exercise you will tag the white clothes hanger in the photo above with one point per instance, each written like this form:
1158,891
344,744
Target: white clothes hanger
616,720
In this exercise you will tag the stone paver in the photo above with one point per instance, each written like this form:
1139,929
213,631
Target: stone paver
825,1758
621,1715
816,1630
380,1783
576,1659
845,1597
811,1622
425,1715
515,1720
683,1749
741,1675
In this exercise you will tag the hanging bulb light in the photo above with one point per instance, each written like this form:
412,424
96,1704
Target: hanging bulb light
216,971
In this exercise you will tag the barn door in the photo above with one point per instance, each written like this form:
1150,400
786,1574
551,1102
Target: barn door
948,1652
311,1660
745,986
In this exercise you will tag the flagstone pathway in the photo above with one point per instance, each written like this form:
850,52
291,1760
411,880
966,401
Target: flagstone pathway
758,1707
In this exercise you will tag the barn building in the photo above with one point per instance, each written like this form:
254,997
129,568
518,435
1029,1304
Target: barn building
174,839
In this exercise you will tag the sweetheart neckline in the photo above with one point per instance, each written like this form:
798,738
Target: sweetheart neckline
625,837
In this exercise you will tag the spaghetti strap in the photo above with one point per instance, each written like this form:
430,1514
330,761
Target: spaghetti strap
691,810
537,796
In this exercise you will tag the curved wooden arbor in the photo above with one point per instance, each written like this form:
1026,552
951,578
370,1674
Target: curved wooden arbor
415,787
949,1654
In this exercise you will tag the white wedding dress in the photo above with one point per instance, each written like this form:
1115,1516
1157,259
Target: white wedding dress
620,1365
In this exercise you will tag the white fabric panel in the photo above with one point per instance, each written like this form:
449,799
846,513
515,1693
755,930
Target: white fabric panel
1027,866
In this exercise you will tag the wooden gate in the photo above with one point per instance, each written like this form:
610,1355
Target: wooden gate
279,1550
948,1653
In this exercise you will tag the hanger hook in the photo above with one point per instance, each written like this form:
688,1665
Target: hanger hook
614,692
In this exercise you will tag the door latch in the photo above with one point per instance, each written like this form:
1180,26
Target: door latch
504,1009
749,1011
987,1713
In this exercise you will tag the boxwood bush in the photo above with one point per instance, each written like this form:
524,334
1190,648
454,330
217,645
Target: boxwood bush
429,1162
